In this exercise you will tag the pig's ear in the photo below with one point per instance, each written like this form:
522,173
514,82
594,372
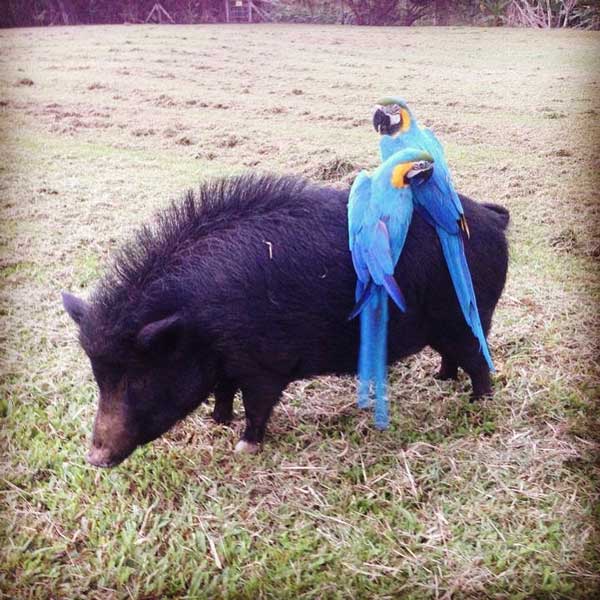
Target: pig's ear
166,331
76,307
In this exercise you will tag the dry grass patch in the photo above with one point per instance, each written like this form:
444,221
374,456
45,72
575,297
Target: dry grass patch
497,499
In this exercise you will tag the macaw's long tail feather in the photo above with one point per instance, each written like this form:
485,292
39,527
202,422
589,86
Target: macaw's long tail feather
362,296
454,253
366,355
382,418
394,291
372,358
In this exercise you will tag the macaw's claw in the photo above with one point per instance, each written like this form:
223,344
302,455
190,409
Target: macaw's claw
464,226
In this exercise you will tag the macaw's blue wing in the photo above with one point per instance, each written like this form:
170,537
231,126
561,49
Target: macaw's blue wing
372,254
358,203
441,200
369,243
359,260
437,201
379,260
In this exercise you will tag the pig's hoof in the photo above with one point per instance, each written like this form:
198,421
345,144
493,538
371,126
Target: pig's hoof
222,417
244,447
445,374
485,395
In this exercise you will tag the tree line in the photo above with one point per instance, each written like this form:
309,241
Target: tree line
583,14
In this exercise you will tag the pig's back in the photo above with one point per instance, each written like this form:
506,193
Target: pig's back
261,266
279,283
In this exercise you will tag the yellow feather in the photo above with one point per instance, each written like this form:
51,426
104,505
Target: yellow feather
398,174
405,120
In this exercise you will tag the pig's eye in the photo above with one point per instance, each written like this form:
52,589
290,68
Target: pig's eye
138,387
107,374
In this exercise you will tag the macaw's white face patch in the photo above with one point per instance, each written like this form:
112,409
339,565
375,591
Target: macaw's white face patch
392,111
395,118
399,117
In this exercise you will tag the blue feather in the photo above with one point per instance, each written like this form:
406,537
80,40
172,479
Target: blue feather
392,288
380,364
361,298
454,253
438,203
366,356
379,215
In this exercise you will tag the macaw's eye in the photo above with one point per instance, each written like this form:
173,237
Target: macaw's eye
394,112
419,173
387,119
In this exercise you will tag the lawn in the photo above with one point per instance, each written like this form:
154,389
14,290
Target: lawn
102,126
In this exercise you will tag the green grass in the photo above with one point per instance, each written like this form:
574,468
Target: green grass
497,499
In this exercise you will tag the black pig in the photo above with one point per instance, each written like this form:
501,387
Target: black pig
247,285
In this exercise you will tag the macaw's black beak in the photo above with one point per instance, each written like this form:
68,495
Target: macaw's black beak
419,173
382,122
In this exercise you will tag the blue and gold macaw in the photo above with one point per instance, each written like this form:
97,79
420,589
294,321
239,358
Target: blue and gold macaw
380,209
436,201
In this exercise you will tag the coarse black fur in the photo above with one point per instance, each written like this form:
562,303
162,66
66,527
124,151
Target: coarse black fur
247,283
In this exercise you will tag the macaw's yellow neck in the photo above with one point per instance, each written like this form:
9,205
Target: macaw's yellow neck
406,120
399,173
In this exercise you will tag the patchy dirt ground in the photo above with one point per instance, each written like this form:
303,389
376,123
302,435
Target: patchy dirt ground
100,126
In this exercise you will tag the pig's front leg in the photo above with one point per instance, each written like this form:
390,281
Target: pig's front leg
259,397
477,369
224,394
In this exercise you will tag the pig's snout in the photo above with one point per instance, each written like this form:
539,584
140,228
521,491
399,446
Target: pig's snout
114,437
101,457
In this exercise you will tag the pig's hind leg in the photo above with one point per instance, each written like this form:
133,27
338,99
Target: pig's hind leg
224,393
477,369
462,350
259,398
